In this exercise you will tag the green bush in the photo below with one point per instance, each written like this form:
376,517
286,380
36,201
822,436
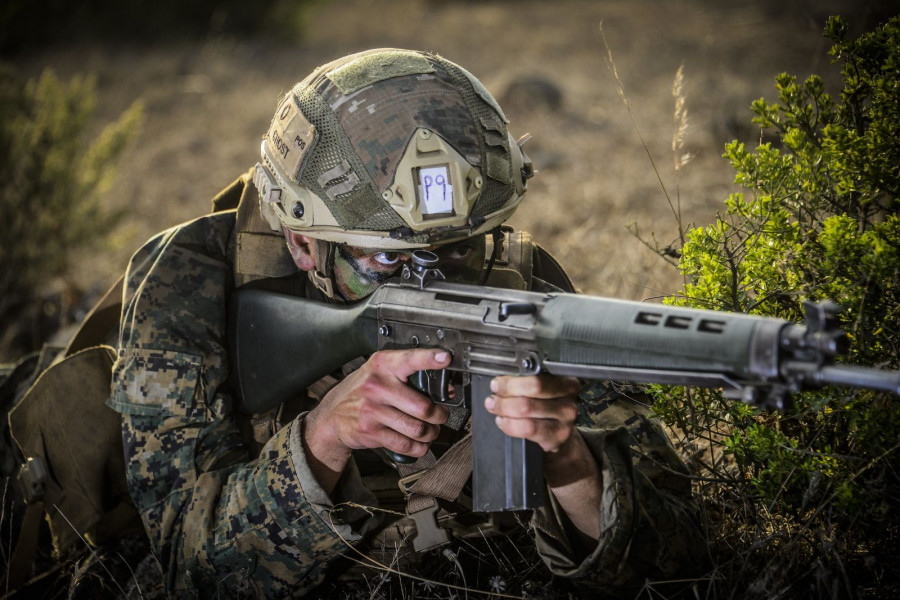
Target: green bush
805,503
52,180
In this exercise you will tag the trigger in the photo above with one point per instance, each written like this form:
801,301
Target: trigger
435,384
440,389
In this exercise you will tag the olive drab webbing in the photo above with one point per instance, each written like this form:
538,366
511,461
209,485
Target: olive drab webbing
260,251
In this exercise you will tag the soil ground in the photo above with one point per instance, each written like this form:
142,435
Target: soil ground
208,103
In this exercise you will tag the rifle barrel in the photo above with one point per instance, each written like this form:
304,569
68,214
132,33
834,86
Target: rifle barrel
887,381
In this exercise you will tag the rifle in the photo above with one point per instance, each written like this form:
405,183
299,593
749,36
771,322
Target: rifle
282,344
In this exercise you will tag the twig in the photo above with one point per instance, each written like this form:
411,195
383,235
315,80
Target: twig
620,90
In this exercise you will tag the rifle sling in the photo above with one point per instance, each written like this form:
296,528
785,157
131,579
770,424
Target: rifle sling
447,476
442,478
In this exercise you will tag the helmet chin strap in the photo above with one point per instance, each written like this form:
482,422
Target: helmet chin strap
323,276
497,234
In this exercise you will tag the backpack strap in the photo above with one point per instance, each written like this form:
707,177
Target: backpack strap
260,253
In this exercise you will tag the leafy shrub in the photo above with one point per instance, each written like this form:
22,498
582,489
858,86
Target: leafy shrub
805,503
52,180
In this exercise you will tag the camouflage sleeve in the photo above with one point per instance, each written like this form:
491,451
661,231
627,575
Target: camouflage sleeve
218,520
650,528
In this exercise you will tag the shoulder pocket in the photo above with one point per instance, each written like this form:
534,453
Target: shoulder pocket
157,382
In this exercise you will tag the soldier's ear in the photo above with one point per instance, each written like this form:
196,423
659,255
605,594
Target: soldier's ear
302,250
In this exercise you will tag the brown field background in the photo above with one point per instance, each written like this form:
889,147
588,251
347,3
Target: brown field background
208,103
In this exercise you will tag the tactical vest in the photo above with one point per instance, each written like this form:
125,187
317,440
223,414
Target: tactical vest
73,470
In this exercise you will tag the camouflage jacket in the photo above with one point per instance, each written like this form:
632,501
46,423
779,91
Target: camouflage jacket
224,519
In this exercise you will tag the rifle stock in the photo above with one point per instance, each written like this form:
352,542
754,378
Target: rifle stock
281,344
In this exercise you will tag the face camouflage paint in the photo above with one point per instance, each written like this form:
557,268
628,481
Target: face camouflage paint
359,271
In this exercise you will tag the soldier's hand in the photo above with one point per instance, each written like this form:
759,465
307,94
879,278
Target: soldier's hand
375,408
540,408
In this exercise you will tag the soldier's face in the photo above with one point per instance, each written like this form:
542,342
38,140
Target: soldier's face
359,271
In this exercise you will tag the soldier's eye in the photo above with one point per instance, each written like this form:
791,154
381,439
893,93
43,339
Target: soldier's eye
388,259
458,253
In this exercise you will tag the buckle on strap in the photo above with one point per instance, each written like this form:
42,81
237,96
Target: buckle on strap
428,533
322,282
33,478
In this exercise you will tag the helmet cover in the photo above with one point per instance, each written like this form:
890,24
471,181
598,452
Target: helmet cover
390,149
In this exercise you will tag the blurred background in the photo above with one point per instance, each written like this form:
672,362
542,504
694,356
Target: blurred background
592,81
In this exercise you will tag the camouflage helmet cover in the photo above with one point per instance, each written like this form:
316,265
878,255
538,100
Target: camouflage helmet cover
390,149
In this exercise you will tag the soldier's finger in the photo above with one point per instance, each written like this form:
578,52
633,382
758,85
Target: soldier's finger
401,444
408,426
403,363
535,386
518,407
546,433
411,402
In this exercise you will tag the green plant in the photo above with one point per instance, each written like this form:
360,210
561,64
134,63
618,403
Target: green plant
812,495
52,180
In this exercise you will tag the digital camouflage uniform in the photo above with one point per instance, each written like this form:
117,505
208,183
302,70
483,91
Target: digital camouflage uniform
225,519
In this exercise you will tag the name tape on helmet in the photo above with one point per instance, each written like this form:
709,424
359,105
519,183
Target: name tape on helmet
290,137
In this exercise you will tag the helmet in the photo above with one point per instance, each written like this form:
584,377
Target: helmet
390,149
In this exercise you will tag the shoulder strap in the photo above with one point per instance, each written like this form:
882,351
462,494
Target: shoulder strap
230,197
101,325
513,266
524,265
260,253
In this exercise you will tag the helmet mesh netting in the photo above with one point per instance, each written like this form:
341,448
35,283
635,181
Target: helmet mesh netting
360,208
495,193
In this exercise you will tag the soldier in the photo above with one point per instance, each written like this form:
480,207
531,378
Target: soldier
369,157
